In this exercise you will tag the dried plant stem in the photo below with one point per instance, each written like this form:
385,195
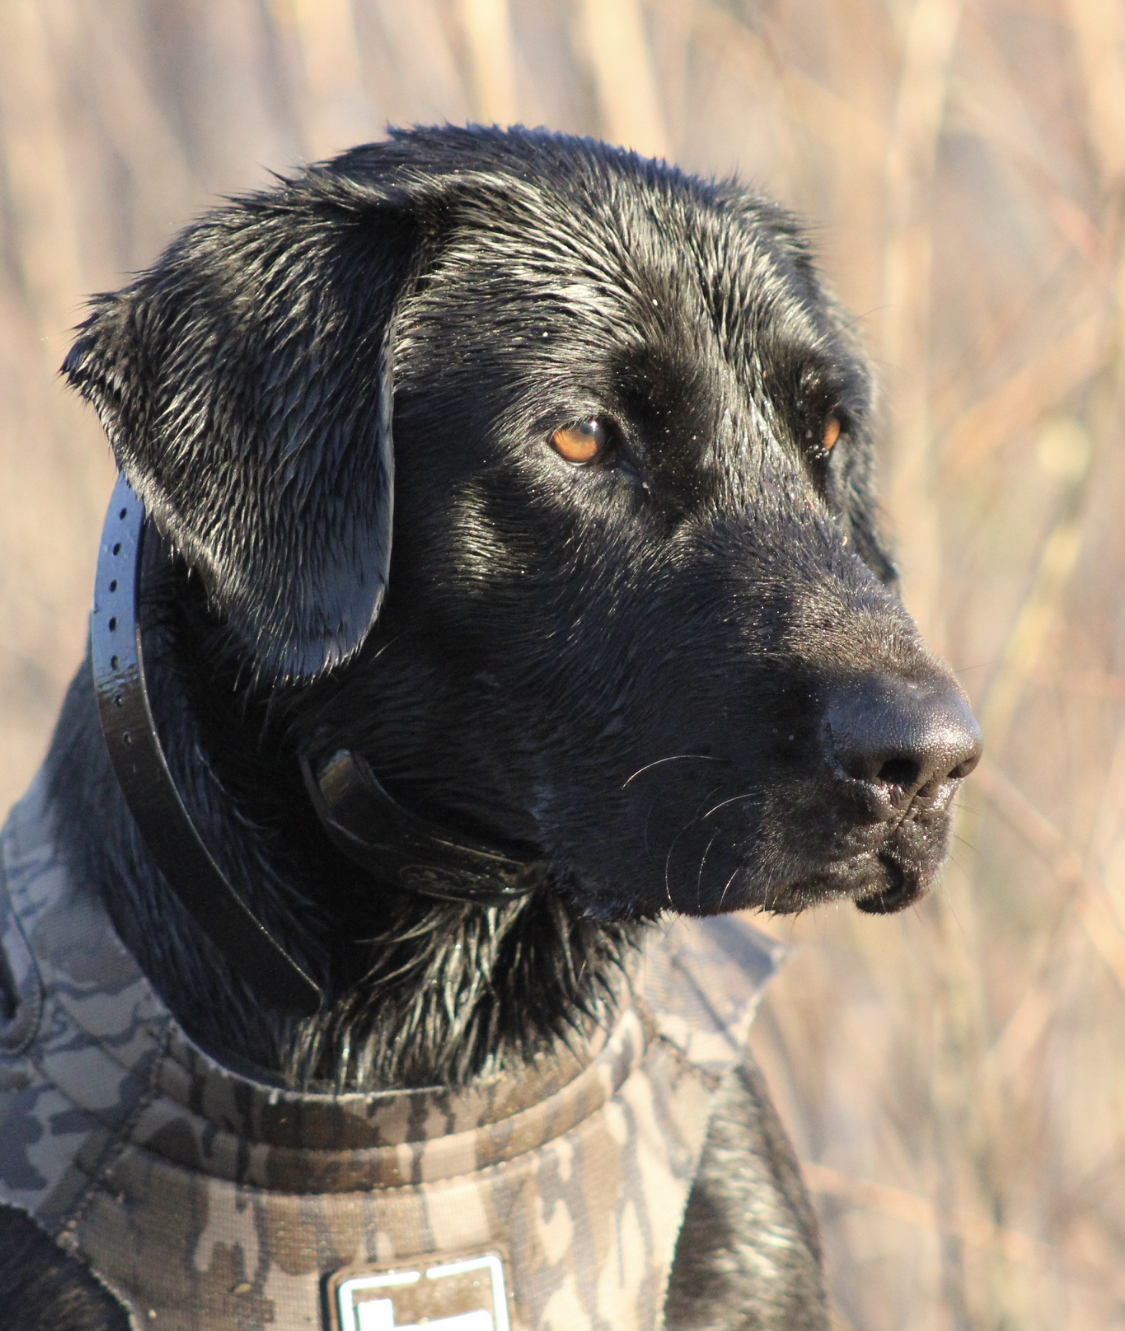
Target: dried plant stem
488,29
617,47
930,37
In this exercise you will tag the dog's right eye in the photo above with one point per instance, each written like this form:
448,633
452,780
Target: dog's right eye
582,444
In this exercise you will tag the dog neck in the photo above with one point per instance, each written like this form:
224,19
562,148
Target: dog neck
419,992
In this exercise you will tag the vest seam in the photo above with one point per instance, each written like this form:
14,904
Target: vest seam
710,1079
119,1140
707,1078
124,1141
37,999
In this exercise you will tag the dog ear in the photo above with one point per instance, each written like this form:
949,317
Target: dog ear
246,383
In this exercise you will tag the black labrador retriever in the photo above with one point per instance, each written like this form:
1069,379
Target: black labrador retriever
637,647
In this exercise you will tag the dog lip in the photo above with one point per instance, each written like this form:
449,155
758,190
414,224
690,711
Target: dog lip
843,844
878,881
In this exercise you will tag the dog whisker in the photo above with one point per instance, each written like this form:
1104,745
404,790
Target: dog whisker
668,864
699,875
672,758
734,799
726,888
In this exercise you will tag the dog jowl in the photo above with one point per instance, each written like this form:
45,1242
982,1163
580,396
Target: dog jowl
536,479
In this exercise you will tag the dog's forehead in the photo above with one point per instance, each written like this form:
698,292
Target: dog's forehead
641,261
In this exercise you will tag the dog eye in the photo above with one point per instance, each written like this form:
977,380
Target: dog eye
583,443
832,428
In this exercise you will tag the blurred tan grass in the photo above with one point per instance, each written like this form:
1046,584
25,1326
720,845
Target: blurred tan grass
955,1077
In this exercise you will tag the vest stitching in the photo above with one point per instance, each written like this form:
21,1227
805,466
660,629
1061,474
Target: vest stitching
29,995
710,1079
123,1140
120,1139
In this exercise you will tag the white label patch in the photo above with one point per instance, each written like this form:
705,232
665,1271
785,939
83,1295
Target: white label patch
465,1295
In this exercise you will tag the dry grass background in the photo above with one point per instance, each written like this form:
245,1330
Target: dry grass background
954,1077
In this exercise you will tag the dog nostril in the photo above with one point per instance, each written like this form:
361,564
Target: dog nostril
902,735
898,772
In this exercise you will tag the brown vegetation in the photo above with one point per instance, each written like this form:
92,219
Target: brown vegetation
955,1077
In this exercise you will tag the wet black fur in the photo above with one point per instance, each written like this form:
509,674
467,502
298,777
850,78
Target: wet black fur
625,666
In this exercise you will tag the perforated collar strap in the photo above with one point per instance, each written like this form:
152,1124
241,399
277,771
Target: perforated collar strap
137,756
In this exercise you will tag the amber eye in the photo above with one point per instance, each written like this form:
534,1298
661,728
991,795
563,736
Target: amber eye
831,432
581,443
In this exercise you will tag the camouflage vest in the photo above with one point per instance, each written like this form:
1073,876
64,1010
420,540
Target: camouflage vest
206,1201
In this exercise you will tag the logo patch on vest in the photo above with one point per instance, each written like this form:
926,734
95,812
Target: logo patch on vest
468,1294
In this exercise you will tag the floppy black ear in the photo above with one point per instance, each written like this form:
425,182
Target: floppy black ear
245,384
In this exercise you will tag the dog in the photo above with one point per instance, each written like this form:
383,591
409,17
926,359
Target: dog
634,651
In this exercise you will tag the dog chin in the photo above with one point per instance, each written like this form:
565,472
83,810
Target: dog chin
903,885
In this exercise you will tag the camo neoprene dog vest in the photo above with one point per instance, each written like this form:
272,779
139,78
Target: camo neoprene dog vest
210,1202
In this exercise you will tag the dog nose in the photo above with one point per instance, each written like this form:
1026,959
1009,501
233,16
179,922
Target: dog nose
903,735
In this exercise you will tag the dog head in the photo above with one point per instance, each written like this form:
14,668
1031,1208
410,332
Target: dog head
638,616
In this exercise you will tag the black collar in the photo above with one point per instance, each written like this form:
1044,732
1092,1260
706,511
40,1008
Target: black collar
388,841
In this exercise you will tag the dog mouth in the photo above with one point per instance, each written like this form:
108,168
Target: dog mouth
882,864
887,874
879,884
